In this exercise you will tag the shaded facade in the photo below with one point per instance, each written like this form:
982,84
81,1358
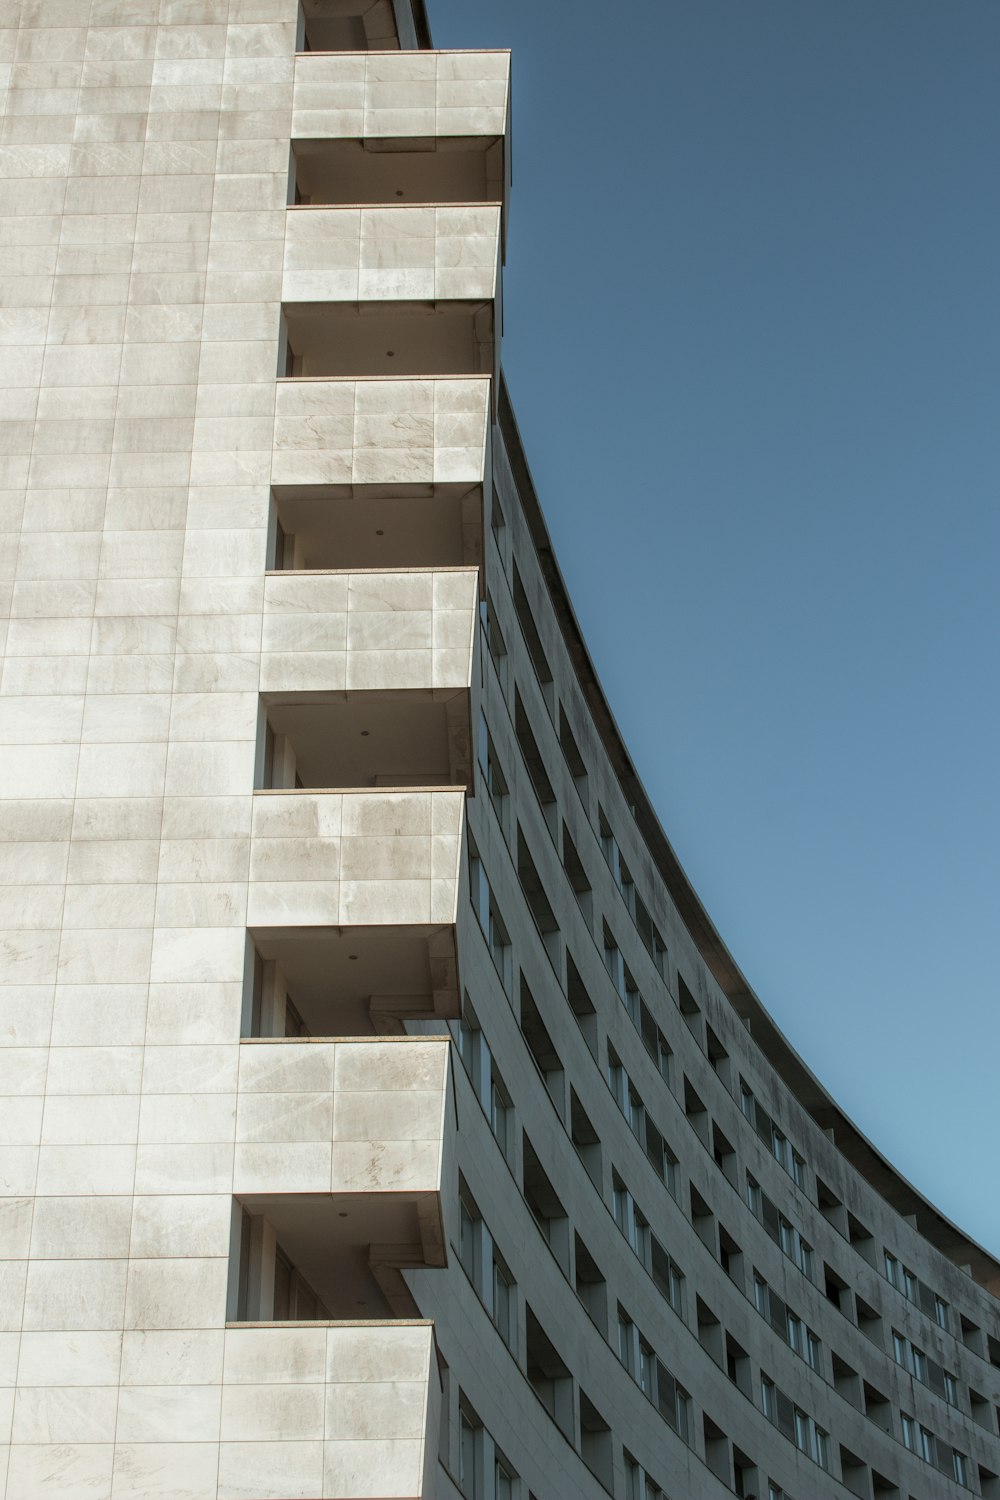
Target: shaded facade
383,1116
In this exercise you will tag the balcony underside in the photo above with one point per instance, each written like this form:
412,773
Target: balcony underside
380,526
390,339
344,982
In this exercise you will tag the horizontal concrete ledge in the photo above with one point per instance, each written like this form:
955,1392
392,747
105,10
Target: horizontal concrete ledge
341,1323
311,208
354,791
347,572
436,52
294,380
305,1041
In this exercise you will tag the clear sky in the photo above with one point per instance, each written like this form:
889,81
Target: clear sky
752,335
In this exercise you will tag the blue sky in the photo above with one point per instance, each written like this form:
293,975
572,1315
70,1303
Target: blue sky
752,334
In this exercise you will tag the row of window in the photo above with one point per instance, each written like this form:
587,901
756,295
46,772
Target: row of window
933,1450
786,1324
926,1370
774,1139
651,1375
916,1290
650,1138
796,1424
486,1268
637,908
659,1265
781,1230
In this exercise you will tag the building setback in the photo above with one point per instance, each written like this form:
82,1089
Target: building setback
383,1116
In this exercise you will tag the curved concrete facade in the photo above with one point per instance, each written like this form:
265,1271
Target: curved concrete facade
382,1115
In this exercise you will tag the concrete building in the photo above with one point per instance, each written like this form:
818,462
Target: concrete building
383,1116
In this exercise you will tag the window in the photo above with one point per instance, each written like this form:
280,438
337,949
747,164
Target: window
571,752
941,1314
768,1404
526,620
617,1078
959,1467
500,1112
614,962
503,1300
498,526
626,1339
950,1389
630,1220
470,1238
801,1431
494,779
926,1445
469,1454
653,1038
504,1481
647,1369
754,1197
909,1432
493,636
492,923
650,935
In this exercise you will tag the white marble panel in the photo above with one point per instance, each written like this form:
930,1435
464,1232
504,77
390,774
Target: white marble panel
400,94
406,431
394,859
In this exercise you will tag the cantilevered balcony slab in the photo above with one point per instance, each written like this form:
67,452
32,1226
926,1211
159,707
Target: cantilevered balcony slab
341,1411
363,631
343,431
372,254
350,1116
371,858
364,96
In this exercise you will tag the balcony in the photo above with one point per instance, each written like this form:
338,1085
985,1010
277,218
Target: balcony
426,127
392,253
338,1410
342,1149
355,858
416,96
381,432
367,631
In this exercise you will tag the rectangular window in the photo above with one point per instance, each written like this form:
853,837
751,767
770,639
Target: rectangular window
768,1404
491,771
909,1432
941,1313
503,1301
504,1482
500,1112
492,635
626,1329
801,1431
470,1442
